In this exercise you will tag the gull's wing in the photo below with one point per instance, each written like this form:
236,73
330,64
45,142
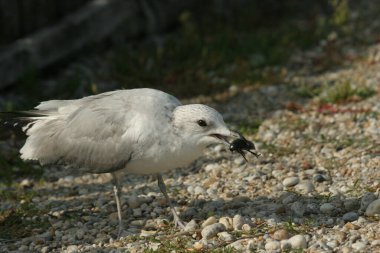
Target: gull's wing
99,133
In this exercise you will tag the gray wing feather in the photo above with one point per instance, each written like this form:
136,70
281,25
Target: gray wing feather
95,134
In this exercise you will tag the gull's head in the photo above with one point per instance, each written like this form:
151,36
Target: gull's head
201,125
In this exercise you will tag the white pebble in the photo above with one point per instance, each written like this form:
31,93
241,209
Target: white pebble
305,187
191,226
359,246
238,222
272,245
373,208
227,222
212,230
298,242
225,236
290,181
209,221
72,249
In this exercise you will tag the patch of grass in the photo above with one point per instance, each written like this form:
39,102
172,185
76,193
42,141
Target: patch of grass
276,150
249,128
344,91
308,90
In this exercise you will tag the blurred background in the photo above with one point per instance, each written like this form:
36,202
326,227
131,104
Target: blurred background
67,49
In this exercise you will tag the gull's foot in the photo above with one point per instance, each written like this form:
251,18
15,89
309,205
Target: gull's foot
178,223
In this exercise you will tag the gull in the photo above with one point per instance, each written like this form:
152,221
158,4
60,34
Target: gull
137,131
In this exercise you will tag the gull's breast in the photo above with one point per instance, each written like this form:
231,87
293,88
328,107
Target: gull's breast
159,158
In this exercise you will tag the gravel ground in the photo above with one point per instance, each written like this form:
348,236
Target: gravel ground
314,189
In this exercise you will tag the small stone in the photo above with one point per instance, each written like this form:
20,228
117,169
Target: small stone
23,248
272,245
327,208
351,204
298,208
133,201
367,199
26,183
285,245
319,178
246,227
147,233
238,222
239,161
239,245
191,226
375,243
281,234
209,221
212,230
225,236
45,249
72,249
198,246
373,208
351,216
290,181
79,234
227,222
359,246
340,236
198,190
298,242
305,187
351,226
346,249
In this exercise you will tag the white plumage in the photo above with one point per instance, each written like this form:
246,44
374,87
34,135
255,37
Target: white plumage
143,131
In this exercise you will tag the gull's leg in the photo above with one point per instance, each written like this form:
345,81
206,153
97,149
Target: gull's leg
117,192
162,186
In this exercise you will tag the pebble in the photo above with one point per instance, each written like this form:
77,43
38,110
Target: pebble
45,249
79,234
239,245
72,249
225,236
298,242
305,187
191,226
227,222
367,198
281,234
290,181
209,221
212,230
272,245
327,208
298,208
319,178
373,208
237,222
133,201
359,246
351,216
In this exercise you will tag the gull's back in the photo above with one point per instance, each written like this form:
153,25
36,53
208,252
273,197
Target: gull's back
99,133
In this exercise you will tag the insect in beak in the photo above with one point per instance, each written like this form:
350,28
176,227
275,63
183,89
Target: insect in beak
242,144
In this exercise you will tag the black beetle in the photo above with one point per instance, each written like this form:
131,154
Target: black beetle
242,144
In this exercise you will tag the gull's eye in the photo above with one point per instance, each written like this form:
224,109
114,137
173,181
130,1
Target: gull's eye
202,123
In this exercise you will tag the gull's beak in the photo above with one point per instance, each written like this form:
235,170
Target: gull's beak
225,134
